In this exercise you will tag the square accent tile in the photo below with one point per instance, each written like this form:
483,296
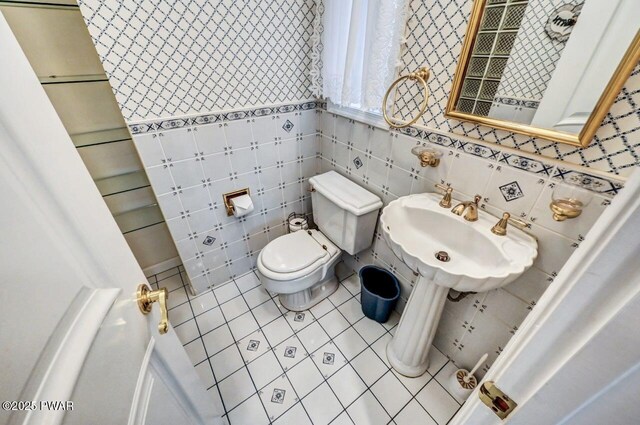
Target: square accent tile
278,397
209,240
253,345
511,191
287,126
290,352
328,358
357,162
299,320
278,394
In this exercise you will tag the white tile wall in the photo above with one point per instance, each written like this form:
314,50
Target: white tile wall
190,167
482,322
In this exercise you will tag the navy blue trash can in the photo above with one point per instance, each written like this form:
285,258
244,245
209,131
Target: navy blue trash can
379,294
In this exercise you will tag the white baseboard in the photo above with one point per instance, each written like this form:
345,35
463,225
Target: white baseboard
160,267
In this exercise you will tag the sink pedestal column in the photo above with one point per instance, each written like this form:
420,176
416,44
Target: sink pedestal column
408,350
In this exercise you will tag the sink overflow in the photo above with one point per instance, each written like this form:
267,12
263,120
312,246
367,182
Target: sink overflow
442,256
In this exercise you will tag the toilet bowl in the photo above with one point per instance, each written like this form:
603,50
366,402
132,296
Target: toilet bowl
300,266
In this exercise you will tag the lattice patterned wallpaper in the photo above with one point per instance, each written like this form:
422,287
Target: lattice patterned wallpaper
169,58
534,56
175,58
435,34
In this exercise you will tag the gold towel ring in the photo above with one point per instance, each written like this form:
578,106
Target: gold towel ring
422,75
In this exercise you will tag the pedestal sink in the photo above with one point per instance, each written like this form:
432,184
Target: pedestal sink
448,252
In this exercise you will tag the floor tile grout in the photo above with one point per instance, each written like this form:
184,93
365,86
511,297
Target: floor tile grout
284,370
244,365
205,351
333,305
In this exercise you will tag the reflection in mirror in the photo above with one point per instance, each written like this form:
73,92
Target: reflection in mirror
545,63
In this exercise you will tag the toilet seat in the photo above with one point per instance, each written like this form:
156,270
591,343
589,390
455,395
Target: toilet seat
295,255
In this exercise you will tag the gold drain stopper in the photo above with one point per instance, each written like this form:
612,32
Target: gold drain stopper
442,256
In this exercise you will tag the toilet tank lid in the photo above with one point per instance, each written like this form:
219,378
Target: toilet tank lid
345,193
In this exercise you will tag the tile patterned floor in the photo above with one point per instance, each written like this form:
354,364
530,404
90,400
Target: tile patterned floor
265,364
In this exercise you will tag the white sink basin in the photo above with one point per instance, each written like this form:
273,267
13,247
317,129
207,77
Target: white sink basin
416,227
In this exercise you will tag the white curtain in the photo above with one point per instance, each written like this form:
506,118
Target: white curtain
355,50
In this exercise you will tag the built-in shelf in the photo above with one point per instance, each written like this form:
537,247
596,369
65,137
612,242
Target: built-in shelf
70,79
38,4
122,183
139,218
490,55
93,138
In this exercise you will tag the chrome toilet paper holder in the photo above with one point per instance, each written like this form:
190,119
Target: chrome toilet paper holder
227,197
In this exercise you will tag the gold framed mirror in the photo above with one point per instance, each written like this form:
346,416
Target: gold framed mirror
545,68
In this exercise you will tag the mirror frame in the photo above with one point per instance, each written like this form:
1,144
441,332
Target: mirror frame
584,138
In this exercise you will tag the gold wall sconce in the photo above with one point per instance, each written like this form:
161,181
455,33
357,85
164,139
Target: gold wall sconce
428,157
227,197
568,201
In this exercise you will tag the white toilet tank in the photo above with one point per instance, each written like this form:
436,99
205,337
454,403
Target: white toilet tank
345,212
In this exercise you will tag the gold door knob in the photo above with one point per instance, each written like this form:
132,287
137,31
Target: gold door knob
146,297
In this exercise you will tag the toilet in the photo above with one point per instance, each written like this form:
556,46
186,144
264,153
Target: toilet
300,266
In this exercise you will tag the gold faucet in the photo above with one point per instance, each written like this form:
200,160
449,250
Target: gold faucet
500,228
471,208
445,202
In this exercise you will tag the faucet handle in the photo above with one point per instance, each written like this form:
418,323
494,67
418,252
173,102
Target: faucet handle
500,227
445,202
477,199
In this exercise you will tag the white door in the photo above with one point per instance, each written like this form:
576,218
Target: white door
70,328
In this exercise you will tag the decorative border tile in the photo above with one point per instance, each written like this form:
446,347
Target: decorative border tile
526,164
147,127
523,163
141,128
516,102
206,119
478,150
176,123
588,181
441,140
237,115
